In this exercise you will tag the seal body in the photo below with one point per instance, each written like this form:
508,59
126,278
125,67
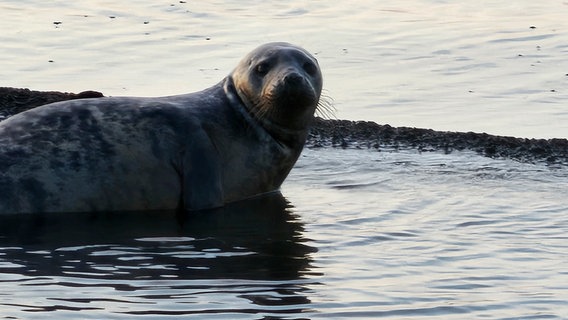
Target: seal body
235,140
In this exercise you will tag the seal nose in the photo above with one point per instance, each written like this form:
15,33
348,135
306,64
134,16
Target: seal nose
293,78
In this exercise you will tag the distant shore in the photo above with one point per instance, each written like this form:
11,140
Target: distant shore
355,134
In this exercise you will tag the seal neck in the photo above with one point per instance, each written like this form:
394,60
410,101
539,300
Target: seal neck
293,138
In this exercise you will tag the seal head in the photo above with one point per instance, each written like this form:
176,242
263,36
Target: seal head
280,85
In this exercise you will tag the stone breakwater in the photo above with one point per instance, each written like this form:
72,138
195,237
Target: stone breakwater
356,134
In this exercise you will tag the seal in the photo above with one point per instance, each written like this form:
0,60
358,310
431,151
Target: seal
235,140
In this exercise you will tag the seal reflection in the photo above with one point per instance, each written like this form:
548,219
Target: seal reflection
238,245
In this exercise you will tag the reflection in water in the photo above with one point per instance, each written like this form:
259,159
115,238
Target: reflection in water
249,257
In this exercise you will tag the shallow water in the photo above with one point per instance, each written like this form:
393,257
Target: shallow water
244,260
360,234
403,235
483,66
357,234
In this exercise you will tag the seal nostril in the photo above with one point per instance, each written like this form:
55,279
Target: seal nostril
293,78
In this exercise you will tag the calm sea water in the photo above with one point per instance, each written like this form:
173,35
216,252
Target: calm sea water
358,234
355,233
493,66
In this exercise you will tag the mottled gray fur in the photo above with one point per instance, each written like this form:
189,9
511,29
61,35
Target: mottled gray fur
192,151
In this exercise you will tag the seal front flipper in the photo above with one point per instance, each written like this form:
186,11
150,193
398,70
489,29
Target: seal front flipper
201,185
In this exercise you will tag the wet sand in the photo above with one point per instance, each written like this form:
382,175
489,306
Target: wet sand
356,134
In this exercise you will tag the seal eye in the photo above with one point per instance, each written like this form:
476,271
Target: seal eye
310,68
262,69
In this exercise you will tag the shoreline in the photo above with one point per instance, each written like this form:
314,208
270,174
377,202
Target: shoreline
348,134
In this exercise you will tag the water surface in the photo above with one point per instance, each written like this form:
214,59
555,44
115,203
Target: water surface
491,66
356,233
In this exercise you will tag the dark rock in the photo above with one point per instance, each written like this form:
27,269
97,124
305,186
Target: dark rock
365,134
14,100
358,134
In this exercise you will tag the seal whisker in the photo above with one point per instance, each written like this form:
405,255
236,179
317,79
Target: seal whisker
325,108
266,105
